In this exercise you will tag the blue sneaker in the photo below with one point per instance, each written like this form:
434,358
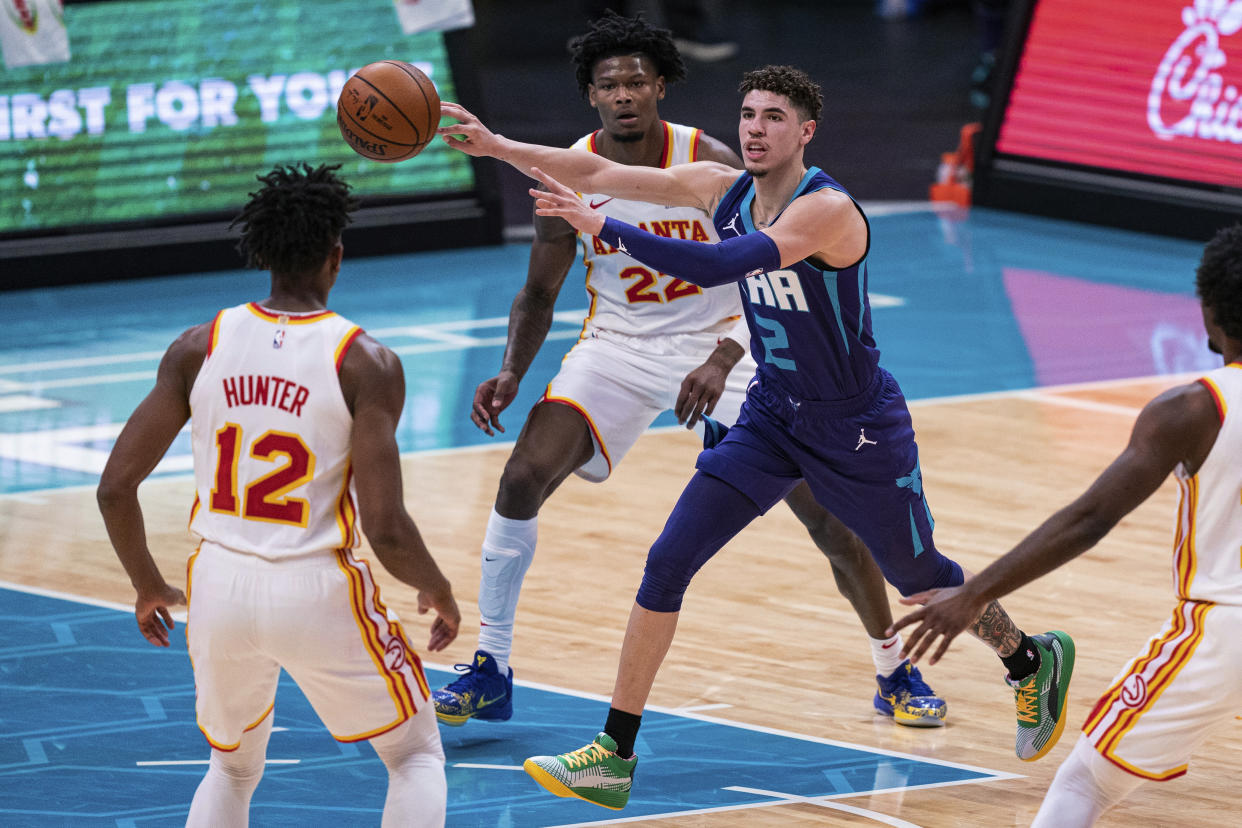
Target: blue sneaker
481,693
907,698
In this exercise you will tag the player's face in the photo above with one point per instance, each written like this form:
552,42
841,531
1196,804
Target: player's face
770,132
625,90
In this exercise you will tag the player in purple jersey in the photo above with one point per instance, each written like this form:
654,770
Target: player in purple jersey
820,408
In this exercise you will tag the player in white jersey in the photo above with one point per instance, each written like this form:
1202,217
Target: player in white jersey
650,343
1182,686
293,415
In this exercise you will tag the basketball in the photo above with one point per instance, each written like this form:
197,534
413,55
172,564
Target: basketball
388,111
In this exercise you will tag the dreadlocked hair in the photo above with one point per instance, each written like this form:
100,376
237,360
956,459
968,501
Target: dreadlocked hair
290,225
793,83
611,35
1218,279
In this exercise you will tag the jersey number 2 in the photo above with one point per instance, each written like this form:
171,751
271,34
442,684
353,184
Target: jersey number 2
267,498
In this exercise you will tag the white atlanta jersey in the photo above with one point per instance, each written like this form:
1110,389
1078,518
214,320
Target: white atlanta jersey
1207,561
629,297
271,432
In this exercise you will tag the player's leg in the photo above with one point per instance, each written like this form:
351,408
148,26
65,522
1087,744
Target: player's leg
901,691
592,413
223,797
708,513
417,790
1086,785
234,681
865,469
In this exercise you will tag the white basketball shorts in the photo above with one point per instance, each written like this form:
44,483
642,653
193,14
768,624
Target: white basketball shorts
320,618
1181,688
621,383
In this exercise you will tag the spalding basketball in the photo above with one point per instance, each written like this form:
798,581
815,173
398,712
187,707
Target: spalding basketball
388,111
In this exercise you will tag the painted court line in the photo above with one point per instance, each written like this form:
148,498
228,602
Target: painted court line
822,803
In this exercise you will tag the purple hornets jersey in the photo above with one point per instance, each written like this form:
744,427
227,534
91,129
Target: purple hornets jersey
810,326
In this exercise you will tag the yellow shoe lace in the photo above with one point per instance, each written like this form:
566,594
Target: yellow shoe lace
1026,697
584,756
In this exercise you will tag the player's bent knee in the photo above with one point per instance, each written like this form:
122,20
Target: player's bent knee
662,588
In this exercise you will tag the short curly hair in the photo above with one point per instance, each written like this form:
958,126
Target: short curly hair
611,35
291,224
794,84
1218,279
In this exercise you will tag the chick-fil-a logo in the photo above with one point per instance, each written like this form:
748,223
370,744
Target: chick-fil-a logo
1188,73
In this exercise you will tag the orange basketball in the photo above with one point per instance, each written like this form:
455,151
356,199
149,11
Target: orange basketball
388,111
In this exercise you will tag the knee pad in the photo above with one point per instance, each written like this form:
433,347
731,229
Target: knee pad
501,582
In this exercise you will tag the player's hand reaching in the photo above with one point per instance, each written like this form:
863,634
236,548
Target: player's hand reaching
151,611
469,134
448,617
945,613
492,397
558,200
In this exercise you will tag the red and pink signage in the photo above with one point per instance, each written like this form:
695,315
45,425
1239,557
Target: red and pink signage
1149,87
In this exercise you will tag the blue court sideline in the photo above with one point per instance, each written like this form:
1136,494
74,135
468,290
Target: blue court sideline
99,730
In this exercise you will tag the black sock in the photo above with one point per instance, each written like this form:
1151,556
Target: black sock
1024,661
623,728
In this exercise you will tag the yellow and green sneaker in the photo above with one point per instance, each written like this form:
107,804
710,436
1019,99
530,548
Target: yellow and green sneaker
594,773
1041,696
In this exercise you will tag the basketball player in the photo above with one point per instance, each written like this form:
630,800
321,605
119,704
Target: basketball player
650,343
820,408
293,409
1181,686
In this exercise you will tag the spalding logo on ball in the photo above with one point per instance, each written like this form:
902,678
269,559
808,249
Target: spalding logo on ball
388,111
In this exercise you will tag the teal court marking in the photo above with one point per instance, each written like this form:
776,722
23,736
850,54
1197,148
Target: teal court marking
99,730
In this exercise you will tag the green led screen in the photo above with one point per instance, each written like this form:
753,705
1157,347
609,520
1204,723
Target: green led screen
168,109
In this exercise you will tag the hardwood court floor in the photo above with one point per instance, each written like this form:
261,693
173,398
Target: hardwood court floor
763,632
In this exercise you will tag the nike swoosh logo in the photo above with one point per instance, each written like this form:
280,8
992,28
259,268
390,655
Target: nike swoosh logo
488,702
886,646
597,205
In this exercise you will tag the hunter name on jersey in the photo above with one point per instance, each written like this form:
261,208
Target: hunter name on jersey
250,389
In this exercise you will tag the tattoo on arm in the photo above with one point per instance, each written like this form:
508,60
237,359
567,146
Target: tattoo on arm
997,630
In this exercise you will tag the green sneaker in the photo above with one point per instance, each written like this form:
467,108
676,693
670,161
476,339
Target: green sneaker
1041,697
594,773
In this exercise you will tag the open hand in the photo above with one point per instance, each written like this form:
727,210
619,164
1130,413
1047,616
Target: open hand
151,611
945,613
559,200
469,134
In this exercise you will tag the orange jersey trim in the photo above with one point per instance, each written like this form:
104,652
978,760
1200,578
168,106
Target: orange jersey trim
1185,561
288,318
694,144
249,727
1217,397
666,154
347,511
1107,743
400,693
214,336
343,347
603,449
1142,774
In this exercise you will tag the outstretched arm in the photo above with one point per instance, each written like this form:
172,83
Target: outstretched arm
144,440
825,225
374,387
1179,426
686,185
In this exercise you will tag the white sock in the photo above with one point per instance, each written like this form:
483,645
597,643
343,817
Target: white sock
886,653
508,549
223,797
